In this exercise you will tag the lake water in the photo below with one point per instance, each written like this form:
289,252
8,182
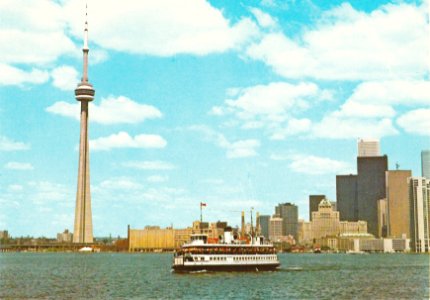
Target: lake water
148,276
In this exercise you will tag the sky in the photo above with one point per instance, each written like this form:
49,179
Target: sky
237,104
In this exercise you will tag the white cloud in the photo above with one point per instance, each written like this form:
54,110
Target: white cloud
33,33
157,179
124,140
120,184
263,19
6,144
356,109
149,165
15,188
315,165
10,75
163,28
18,166
334,127
390,42
237,149
416,121
275,98
111,110
273,107
393,92
243,148
294,127
65,78
43,192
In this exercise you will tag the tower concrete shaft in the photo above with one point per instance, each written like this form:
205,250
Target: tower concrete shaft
84,93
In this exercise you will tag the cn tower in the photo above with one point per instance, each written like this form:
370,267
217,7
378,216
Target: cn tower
84,93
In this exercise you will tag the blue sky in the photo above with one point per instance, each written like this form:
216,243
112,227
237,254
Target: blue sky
236,104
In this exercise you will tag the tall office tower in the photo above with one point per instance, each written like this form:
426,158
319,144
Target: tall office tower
382,217
425,163
346,197
242,225
357,195
370,188
275,229
368,148
314,201
84,93
264,225
290,218
419,199
397,202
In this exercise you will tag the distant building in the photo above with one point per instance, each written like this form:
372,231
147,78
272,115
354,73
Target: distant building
304,232
290,216
314,201
425,163
346,196
264,225
275,228
370,188
65,237
334,205
398,220
155,238
242,225
326,223
382,217
368,148
4,235
358,195
419,199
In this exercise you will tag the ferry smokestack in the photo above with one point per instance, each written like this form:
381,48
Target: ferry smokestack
243,230
257,224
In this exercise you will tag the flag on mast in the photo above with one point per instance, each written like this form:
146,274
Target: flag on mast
202,204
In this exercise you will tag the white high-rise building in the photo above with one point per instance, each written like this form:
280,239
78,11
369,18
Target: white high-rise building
368,147
275,228
419,198
425,163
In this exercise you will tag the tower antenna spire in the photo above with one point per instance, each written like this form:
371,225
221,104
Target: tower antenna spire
85,49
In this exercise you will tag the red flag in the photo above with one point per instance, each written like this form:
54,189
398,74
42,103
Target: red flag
202,204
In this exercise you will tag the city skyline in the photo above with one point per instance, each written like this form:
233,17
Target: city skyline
233,105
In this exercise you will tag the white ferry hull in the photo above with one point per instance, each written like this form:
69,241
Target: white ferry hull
226,268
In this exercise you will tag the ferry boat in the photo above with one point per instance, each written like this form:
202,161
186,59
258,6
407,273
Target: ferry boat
228,255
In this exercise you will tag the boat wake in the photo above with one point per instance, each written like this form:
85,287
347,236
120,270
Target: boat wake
198,272
291,269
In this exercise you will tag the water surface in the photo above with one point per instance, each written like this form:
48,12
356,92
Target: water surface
149,276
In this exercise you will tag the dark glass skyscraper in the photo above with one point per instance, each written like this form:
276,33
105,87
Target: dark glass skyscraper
357,195
290,218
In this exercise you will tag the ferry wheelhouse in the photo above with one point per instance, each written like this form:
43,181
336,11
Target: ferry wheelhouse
228,255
